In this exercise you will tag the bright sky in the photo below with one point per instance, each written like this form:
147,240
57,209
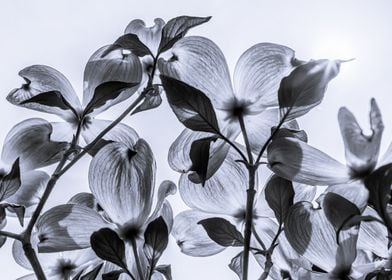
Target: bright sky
63,34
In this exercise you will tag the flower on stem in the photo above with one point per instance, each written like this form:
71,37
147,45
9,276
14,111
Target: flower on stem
107,81
122,181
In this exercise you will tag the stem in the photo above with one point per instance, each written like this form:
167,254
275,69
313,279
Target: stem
248,219
258,239
33,259
268,257
135,253
246,139
10,234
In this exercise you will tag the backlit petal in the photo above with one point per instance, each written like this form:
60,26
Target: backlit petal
295,160
258,74
200,63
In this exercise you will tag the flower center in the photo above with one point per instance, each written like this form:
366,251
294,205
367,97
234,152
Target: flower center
129,232
237,108
64,267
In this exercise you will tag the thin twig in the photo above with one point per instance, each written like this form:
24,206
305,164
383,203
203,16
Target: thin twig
10,234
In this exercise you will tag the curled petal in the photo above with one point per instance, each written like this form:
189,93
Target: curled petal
120,133
150,36
304,192
30,141
200,63
223,193
115,67
295,160
122,180
361,150
258,74
67,227
165,189
191,236
44,79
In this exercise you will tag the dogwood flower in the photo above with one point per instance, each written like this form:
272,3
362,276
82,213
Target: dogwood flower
121,180
199,62
107,81
296,160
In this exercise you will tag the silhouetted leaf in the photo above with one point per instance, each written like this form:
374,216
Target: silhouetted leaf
10,183
165,269
156,238
3,239
176,28
105,92
199,155
279,194
304,88
222,232
19,211
379,185
92,275
108,246
100,144
51,99
236,264
152,100
129,42
191,106
113,275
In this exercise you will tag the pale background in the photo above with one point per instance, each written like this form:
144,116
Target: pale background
63,34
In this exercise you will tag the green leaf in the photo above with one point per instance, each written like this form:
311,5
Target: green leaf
191,106
199,155
222,232
92,275
165,270
51,99
156,238
129,42
109,247
113,275
176,28
304,88
279,194
105,92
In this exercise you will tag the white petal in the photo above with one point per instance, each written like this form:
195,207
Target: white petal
62,132
361,150
67,227
200,63
29,140
258,74
122,179
295,160
223,193
115,67
191,237
165,189
150,36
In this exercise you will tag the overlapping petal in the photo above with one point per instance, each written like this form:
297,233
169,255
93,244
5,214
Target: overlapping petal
223,193
122,180
258,73
44,79
295,160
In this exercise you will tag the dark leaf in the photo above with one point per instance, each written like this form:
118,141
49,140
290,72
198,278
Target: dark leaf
304,88
199,155
156,238
165,269
191,106
113,275
105,92
222,232
10,183
51,99
380,274
379,185
152,100
92,275
279,194
287,132
100,144
77,276
3,239
129,42
236,264
176,28
108,246
19,211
